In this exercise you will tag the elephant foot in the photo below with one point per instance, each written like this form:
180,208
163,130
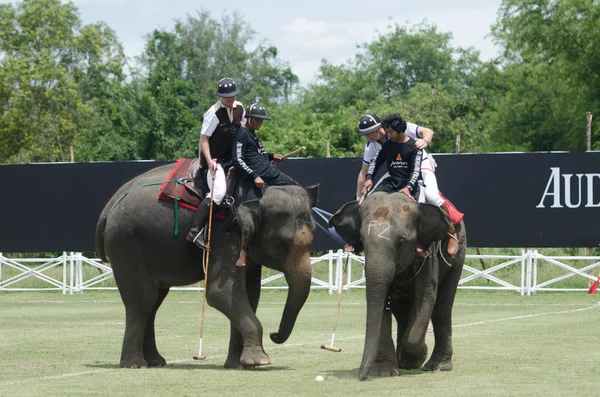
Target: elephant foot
411,364
438,365
233,363
155,360
133,362
381,369
413,356
254,356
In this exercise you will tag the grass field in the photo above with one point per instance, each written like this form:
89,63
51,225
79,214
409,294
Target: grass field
505,345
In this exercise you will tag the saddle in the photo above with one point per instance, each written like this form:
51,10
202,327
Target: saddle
186,185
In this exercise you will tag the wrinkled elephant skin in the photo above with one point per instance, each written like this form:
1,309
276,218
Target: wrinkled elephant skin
148,259
389,228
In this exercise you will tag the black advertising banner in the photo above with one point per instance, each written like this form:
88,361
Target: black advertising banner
509,200
55,206
525,199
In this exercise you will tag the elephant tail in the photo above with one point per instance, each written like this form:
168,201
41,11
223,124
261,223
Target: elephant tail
100,236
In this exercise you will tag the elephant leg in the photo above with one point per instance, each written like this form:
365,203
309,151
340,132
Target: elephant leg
413,348
151,354
227,292
140,301
386,363
378,281
400,309
236,341
441,358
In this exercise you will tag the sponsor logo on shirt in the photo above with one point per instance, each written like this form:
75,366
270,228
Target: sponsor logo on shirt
398,164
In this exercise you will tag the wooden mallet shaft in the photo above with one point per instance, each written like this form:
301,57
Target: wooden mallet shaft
210,213
294,152
332,348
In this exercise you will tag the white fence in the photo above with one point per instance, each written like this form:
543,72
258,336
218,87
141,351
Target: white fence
66,273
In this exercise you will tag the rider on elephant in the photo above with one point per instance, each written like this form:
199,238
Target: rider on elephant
370,126
253,164
403,160
221,121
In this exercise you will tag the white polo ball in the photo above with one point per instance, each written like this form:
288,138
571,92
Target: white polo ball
319,378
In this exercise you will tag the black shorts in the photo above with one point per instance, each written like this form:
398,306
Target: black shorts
390,186
272,177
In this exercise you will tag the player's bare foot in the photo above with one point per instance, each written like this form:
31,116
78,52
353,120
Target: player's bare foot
241,262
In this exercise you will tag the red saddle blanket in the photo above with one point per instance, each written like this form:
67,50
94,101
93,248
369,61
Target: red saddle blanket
179,185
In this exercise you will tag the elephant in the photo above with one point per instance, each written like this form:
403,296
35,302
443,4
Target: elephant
389,227
135,233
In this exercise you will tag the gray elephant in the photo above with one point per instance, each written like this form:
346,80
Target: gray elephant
415,288
147,259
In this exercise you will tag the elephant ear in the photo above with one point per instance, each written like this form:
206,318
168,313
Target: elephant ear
313,194
346,222
248,215
434,224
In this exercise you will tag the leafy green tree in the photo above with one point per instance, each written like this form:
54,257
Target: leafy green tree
50,68
182,68
413,71
553,69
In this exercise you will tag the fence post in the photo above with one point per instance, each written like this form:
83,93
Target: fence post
528,279
338,272
330,259
349,275
79,273
64,266
535,265
523,259
71,272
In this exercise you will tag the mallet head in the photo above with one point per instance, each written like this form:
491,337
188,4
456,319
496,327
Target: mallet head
331,348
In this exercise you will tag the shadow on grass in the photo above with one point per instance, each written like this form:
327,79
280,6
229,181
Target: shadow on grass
353,373
193,366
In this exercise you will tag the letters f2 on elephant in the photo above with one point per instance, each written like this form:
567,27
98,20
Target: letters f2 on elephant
563,193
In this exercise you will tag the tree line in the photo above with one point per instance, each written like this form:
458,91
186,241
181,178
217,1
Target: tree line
67,90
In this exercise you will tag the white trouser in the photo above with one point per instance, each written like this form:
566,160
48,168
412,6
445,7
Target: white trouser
430,192
220,184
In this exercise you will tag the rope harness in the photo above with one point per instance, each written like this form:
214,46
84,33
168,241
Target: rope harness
176,181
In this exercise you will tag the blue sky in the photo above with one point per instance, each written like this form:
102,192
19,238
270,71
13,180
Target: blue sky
305,32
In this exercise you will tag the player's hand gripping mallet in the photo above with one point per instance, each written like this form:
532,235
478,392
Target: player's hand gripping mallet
331,347
212,191
363,197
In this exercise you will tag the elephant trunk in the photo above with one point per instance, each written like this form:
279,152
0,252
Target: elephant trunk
298,275
378,281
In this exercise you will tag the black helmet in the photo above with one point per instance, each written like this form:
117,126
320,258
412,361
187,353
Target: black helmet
226,88
367,124
258,111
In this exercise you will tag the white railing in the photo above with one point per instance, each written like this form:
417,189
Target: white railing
71,273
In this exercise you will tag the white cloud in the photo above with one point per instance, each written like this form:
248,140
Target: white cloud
303,26
303,36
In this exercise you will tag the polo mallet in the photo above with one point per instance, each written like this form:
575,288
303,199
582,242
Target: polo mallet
301,148
363,197
289,154
331,347
212,192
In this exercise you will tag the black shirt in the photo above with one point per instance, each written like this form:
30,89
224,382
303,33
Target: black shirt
403,163
220,142
249,155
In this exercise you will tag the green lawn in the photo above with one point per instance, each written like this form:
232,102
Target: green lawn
505,345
